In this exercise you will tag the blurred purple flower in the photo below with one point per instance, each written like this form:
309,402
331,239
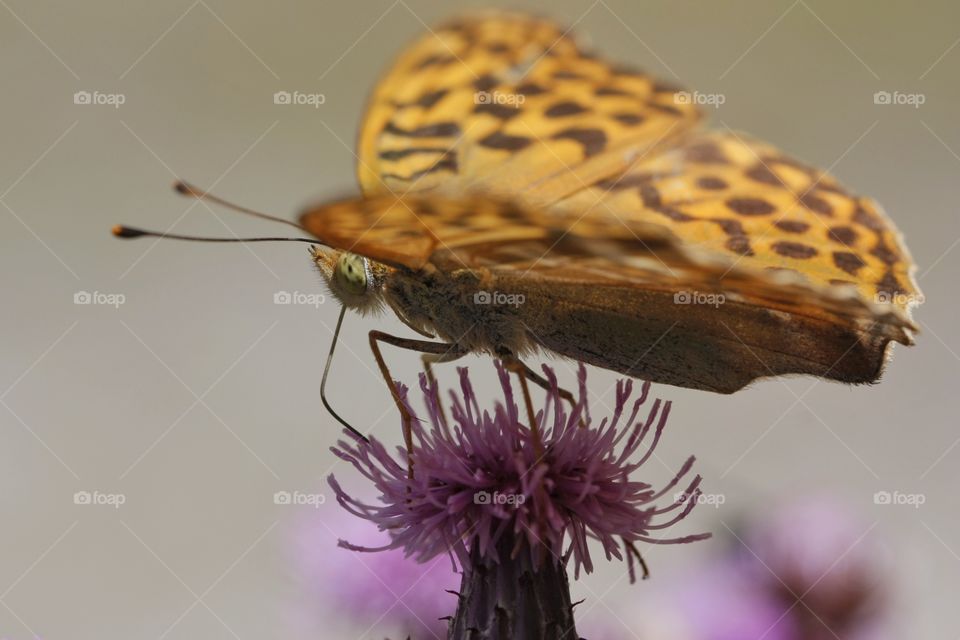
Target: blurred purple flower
718,601
815,549
492,478
398,595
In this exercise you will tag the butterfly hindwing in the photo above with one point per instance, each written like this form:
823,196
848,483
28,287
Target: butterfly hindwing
725,193
719,344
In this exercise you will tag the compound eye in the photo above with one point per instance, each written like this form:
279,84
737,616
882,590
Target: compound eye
351,273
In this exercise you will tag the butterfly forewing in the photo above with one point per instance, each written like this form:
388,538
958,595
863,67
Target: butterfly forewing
504,103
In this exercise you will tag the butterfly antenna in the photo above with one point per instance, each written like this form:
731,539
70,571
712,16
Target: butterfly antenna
122,231
326,372
187,189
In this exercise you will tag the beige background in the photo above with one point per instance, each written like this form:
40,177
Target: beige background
198,398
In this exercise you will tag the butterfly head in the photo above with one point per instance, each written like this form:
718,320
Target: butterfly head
356,282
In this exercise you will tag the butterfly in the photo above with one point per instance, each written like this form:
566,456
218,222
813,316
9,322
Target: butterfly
521,194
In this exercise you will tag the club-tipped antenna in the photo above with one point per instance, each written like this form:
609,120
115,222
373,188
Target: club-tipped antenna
187,189
122,231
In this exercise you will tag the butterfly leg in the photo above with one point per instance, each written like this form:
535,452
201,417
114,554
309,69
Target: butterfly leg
442,350
542,382
514,365
429,360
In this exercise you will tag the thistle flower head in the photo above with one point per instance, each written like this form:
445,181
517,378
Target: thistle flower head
484,477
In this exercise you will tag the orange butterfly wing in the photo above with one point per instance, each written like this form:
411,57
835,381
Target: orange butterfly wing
744,199
503,103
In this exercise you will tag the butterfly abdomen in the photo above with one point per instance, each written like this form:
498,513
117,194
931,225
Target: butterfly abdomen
458,308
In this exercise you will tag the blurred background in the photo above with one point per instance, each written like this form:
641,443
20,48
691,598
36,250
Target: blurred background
155,399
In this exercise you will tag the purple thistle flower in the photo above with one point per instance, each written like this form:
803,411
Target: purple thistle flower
481,484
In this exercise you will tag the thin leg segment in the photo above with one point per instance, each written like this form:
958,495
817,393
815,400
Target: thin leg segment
544,384
429,360
442,350
517,366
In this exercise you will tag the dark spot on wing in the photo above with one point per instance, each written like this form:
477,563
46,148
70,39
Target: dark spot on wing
750,206
792,226
397,154
706,153
500,140
843,235
485,83
592,140
795,250
566,108
501,111
816,204
437,130
849,262
762,174
628,119
711,183
530,89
